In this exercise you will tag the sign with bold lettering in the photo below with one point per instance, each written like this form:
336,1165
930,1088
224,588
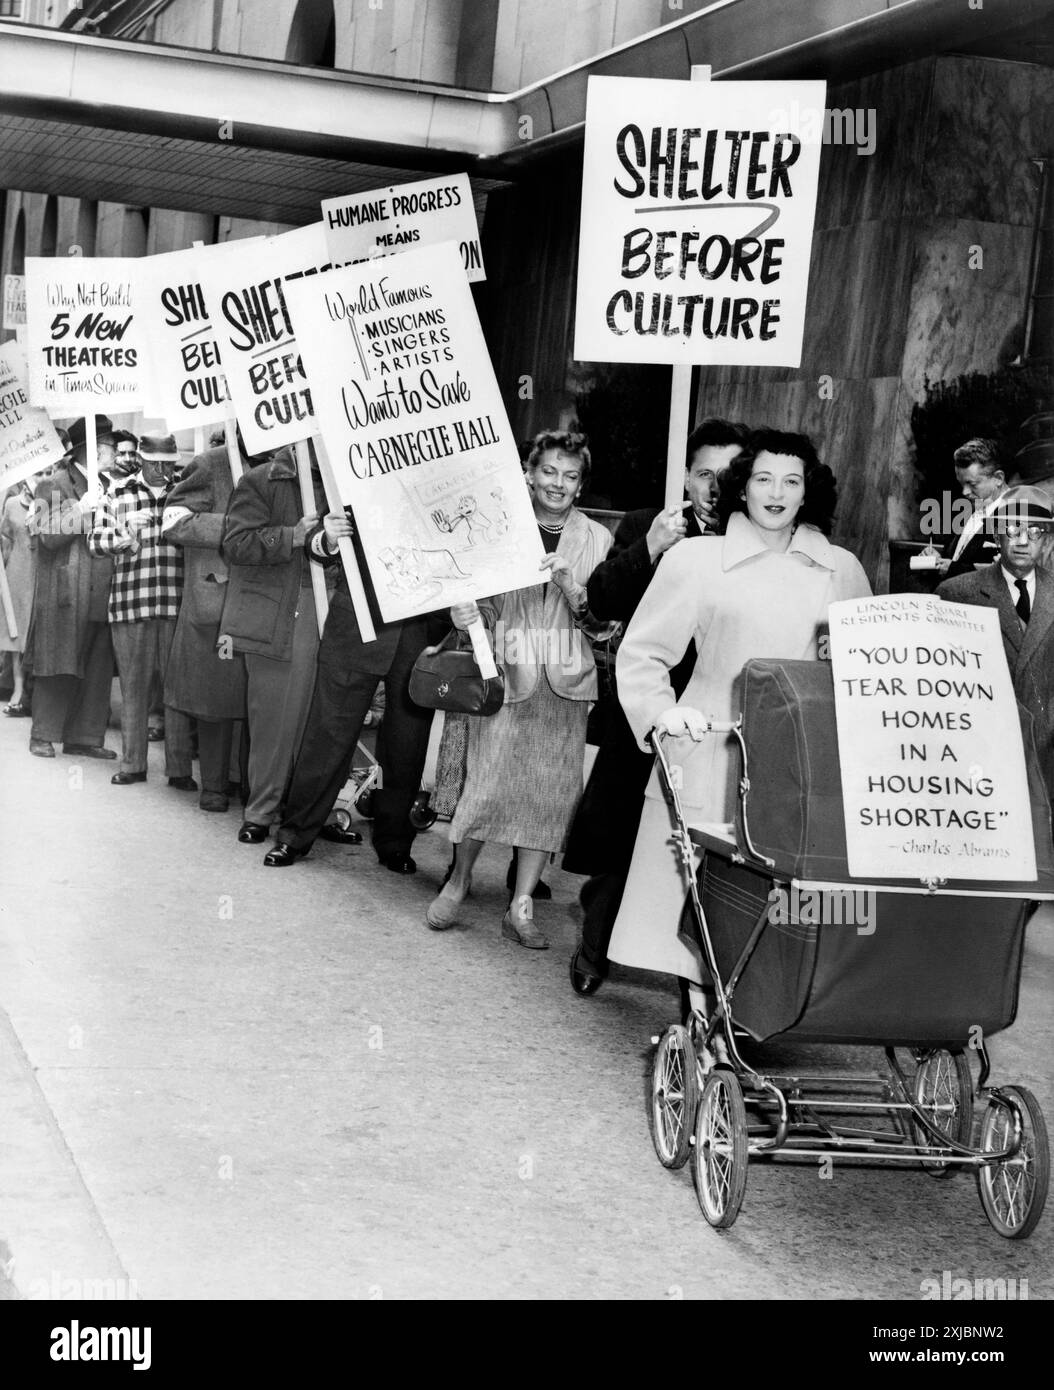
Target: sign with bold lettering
187,387
14,301
85,340
416,432
245,297
698,201
385,221
933,768
28,441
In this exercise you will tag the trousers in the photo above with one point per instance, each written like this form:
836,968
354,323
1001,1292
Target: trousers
339,703
74,709
142,649
279,695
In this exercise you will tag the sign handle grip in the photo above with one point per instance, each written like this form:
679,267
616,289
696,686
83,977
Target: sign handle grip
307,501
481,649
367,631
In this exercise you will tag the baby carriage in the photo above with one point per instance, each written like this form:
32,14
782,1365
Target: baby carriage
933,974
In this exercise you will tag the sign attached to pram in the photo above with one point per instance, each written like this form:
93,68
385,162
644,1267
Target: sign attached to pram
933,768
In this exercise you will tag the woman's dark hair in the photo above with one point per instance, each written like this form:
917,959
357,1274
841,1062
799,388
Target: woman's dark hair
821,491
567,441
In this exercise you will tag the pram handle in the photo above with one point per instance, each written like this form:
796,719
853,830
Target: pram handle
712,726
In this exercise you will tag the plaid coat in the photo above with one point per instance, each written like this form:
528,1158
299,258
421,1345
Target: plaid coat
148,569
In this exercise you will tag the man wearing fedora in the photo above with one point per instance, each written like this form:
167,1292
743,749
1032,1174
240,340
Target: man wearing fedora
70,635
144,605
1022,592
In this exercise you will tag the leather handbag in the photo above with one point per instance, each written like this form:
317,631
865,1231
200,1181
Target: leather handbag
449,679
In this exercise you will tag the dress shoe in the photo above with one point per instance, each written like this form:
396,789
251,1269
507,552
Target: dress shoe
213,801
18,711
156,735
337,836
252,833
84,750
125,779
518,925
581,982
283,855
398,863
41,748
184,784
444,909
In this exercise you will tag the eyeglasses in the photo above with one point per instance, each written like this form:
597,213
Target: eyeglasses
1014,529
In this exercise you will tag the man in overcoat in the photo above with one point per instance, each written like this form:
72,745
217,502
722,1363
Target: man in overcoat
605,827
205,676
1022,592
72,656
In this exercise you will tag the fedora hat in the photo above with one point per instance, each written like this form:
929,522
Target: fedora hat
1024,503
158,448
103,432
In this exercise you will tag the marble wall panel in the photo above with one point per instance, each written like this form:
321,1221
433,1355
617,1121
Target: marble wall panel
987,118
961,319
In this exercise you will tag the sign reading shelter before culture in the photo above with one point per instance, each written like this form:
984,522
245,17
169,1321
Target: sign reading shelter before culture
933,768
698,200
385,221
416,431
85,339
245,298
28,441
186,387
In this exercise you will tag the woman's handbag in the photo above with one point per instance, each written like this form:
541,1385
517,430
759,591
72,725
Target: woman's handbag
449,679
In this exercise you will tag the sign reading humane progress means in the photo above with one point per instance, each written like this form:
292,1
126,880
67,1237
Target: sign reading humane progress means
28,441
85,339
416,432
933,768
246,300
385,221
187,387
698,200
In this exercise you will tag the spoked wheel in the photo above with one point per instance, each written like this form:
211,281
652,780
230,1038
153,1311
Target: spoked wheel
422,817
719,1162
674,1096
1013,1193
944,1094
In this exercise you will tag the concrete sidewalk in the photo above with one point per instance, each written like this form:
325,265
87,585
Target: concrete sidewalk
220,1080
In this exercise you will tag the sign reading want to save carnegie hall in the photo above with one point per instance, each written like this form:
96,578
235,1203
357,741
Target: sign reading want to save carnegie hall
933,767
85,339
410,412
28,441
698,200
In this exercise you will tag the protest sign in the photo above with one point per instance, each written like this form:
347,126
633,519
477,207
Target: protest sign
245,297
698,200
413,421
933,768
85,340
28,441
187,387
385,221
14,301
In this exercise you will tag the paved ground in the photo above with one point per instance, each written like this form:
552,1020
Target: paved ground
219,1080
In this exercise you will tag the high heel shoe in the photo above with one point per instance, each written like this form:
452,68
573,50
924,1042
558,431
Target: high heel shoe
521,927
443,909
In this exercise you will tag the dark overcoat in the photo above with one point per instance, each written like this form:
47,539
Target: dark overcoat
72,588
202,680
1029,649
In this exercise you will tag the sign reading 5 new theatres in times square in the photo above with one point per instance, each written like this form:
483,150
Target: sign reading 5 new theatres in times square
698,201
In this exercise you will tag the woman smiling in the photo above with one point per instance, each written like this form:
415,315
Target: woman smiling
761,590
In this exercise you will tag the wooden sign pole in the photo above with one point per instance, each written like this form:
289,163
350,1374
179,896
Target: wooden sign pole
307,501
680,394
367,631
234,456
91,455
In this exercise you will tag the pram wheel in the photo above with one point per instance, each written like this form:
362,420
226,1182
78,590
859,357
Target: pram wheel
342,818
422,817
1014,1192
944,1093
719,1162
364,804
674,1096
